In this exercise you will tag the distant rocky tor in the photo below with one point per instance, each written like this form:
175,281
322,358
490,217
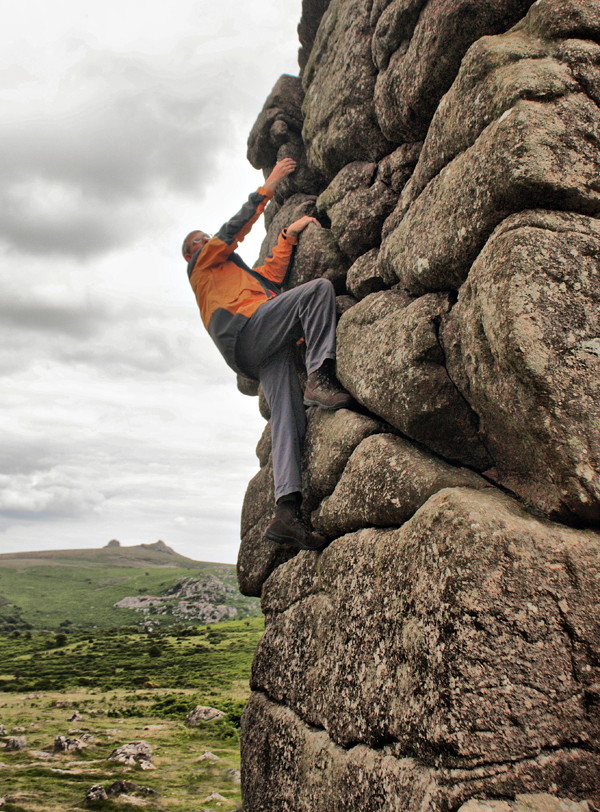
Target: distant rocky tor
195,598
445,648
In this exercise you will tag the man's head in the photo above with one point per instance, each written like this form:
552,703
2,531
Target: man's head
193,242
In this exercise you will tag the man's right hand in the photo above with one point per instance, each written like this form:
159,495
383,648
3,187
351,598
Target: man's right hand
280,171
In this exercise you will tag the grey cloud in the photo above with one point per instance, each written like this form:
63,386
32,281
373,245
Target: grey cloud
76,320
74,180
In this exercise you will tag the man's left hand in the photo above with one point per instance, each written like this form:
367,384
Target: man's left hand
299,225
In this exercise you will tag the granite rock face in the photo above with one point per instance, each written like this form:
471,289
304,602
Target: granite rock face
524,349
390,359
444,650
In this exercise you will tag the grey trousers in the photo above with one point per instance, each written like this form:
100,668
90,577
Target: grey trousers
265,350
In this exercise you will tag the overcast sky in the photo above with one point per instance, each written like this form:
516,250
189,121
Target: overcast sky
124,126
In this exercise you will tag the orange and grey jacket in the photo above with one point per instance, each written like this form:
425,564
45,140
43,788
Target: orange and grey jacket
227,290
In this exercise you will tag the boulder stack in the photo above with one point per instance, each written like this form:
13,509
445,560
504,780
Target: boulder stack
445,648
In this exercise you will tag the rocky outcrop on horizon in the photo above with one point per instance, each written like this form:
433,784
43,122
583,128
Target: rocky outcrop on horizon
446,645
200,599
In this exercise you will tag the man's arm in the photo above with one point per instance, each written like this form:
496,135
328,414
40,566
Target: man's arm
275,267
233,231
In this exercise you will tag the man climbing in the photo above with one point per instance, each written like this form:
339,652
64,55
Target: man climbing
255,326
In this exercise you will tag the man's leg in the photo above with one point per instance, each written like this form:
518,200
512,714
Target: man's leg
281,386
309,311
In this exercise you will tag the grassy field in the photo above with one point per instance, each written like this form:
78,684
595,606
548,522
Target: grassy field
38,780
127,685
78,588
206,658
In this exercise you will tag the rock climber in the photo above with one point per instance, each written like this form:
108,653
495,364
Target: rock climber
256,325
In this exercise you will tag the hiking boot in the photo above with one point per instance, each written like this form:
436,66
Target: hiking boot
286,527
324,390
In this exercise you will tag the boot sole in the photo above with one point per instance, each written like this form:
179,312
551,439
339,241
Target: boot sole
328,408
293,542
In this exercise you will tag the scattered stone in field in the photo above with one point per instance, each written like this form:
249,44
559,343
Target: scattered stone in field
62,743
138,752
114,731
2,802
16,743
127,788
18,730
2,765
154,727
75,730
202,713
214,796
34,696
33,725
75,717
234,775
60,703
208,756
95,794
87,738
3,731
41,754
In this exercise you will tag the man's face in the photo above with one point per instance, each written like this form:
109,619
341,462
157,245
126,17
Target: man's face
197,241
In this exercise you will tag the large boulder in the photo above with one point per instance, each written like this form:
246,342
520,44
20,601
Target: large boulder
418,47
390,359
277,134
386,480
542,58
317,256
331,437
364,276
138,752
523,346
340,125
357,204
467,639
535,155
308,771
518,130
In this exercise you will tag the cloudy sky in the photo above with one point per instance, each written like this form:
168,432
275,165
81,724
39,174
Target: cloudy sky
123,126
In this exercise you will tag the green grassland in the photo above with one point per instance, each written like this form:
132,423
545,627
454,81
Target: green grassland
127,685
48,782
78,588
202,657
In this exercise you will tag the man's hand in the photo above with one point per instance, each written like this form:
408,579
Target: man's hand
280,171
299,225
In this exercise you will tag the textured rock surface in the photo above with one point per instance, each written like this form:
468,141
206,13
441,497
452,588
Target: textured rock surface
386,480
331,438
523,346
307,771
391,361
340,125
357,203
418,47
364,276
468,637
520,129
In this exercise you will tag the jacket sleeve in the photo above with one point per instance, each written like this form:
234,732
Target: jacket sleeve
276,264
231,233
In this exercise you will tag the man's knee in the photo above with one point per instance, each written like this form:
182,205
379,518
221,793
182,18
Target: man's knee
321,288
